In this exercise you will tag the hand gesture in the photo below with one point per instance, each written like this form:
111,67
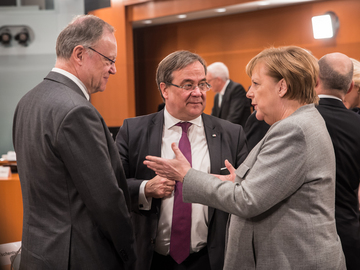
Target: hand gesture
230,177
172,169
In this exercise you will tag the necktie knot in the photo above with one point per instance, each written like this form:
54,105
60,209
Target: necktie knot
184,125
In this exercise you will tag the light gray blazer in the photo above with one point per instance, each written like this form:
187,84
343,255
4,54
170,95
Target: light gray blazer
282,201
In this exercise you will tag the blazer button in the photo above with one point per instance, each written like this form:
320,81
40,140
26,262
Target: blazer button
124,255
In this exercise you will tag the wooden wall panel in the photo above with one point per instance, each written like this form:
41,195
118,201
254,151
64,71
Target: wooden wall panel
235,39
161,8
117,102
11,209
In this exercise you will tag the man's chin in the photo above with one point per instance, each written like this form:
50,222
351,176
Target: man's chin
195,112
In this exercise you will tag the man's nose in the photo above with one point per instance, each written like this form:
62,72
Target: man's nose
112,69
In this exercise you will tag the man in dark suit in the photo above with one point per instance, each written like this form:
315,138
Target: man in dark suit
335,80
230,102
75,195
181,79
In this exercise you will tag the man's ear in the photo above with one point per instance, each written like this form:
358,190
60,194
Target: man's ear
283,88
351,87
78,54
164,89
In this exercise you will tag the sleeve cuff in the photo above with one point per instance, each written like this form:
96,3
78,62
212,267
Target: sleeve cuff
144,203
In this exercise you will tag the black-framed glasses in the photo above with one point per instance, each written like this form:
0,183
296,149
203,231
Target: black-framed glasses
107,58
203,86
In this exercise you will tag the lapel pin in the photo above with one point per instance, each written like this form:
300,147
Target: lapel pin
214,135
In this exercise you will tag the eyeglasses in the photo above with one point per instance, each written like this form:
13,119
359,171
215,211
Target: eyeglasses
203,86
107,58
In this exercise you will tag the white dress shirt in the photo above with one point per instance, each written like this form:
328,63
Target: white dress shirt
74,79
200,161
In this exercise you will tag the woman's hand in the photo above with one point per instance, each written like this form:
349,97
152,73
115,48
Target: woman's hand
172,169
229,177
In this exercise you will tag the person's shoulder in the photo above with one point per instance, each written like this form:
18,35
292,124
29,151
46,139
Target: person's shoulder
305,120
235,85
144,119
216,121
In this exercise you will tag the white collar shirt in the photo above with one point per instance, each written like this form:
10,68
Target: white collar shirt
74,79
329,96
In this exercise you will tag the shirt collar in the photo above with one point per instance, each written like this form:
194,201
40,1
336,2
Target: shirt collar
170,121
222,92
329,96
74,79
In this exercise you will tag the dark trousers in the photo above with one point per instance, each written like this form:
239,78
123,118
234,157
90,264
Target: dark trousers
195,261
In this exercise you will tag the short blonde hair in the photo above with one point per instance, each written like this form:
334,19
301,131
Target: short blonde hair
356,75
295,65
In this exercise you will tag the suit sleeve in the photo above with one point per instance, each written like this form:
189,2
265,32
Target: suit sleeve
239,106
83,147
277,173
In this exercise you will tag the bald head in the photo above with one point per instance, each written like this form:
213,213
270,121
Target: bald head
336,72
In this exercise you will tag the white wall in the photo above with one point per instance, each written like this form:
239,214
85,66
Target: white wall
22,68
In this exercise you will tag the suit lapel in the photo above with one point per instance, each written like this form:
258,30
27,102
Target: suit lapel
216,106
154,134
226,97
213,138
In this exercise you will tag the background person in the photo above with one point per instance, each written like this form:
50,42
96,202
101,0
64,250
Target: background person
281,198
255,130
75,195
230,102
352,98
335,80
181,79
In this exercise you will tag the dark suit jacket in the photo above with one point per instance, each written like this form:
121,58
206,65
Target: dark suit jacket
235,106
75,194
142,136
344,129
255,130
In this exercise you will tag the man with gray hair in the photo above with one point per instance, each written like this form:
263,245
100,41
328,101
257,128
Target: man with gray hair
230,102
335,80
171,234
75,194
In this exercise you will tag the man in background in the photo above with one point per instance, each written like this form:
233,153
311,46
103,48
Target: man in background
75,195
335,80
352,98
207,141
230,102
255,130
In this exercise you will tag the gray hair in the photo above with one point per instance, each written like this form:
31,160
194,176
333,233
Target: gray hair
331,78
85,30
219,70
175,61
